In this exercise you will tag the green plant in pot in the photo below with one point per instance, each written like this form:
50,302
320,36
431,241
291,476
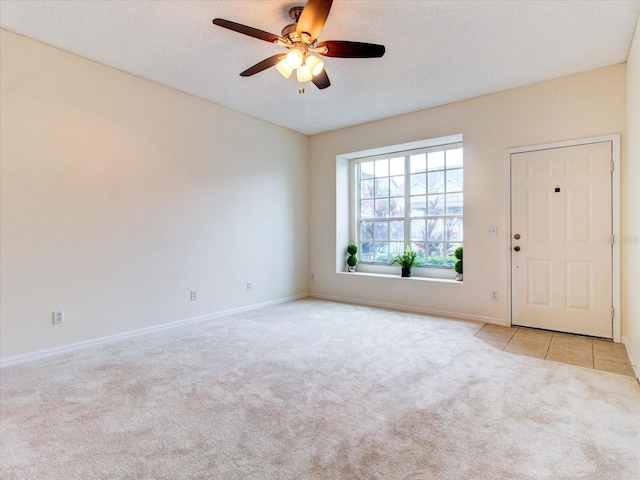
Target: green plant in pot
352,260
458,265
407,261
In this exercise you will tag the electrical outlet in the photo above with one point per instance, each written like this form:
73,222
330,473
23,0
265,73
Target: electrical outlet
494,295
194,296
249,286
58,317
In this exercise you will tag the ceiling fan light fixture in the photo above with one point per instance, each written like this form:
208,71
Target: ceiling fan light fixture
284,68
294,58
304,74
300,39
315,64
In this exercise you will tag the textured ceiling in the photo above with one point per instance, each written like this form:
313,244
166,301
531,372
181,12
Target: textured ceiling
437,51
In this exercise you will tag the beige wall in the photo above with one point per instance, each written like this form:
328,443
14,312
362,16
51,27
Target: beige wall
631,247
119,196
579,106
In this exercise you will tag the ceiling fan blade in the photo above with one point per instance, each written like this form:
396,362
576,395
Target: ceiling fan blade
263,65
321,80
313,17
345,49
252,32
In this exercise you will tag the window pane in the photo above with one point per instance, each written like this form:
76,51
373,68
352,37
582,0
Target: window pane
382,208
418,230
382,187
396,207
382,168
396,230
381,252
436,182
418,184
454,203
419,248
366,170
435,254
435,229
366,209
395,248
454,180
381,231
396,166
435,160
454,229
454,158
418,206
366,231
418,163
396,186
436,205
450,258
366,253
366,189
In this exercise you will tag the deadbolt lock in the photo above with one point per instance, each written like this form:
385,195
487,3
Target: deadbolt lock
517,236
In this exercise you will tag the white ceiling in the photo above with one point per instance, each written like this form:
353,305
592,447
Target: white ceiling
437,51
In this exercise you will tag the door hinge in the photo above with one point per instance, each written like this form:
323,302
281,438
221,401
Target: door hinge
613,239
613,313
612,166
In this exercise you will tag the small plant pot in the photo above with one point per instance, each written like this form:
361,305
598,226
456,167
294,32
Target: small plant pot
352,268
406,272
459,277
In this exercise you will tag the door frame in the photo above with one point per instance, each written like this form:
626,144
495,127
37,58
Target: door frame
615,217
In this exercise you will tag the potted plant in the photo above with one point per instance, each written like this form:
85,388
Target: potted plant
352,260
407,261
458,265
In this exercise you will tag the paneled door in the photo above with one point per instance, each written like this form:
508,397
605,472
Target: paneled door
561,230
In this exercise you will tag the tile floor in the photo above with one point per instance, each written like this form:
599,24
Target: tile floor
559,347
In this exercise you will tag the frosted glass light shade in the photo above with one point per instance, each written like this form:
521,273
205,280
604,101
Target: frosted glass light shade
304,74
294,58
284,68
315,65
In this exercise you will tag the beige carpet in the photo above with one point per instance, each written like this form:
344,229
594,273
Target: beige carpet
316,390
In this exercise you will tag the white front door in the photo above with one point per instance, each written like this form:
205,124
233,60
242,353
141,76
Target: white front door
561,249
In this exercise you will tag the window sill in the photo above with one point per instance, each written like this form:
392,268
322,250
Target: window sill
399,277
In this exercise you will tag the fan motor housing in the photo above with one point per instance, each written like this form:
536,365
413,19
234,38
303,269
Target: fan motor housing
290,33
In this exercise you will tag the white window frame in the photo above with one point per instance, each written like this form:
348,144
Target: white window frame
441,143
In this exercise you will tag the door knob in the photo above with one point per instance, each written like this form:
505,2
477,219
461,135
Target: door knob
516,248
517,236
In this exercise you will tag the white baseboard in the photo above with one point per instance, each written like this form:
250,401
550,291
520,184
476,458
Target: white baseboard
75,347
404,308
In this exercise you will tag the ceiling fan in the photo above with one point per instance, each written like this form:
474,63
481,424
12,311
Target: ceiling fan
301,41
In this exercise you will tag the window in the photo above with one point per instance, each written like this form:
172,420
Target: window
410,199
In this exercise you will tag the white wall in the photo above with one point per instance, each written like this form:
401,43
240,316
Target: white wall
579,106
119,196
631,248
